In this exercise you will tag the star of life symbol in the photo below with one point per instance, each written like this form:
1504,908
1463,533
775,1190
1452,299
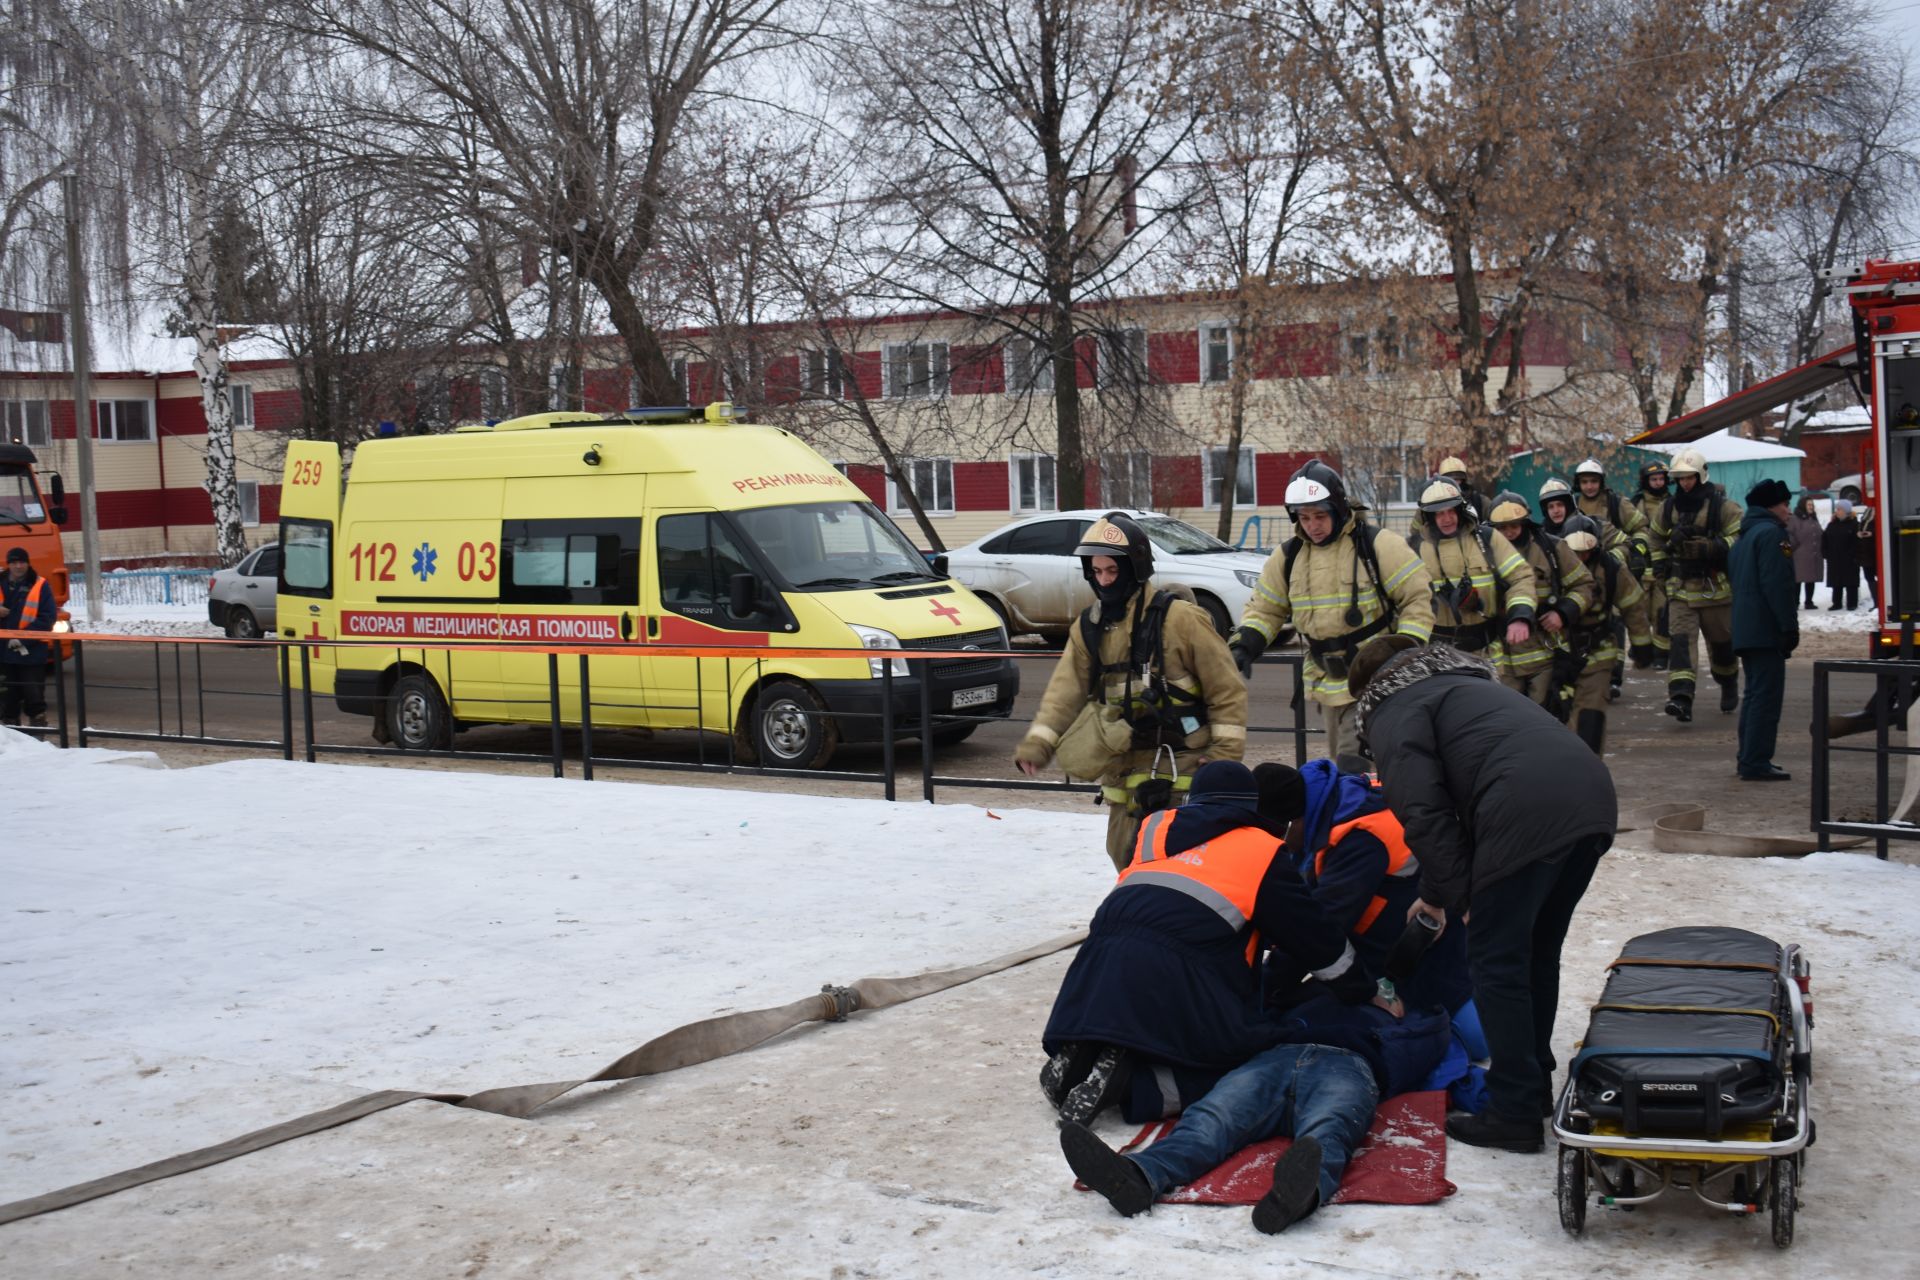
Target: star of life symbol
424,561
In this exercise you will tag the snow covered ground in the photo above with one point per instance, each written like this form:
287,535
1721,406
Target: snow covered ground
146,619
193,953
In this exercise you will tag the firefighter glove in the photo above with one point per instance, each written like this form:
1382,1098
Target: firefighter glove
1032,751
1246,646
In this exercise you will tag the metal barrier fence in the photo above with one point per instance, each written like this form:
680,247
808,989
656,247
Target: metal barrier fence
127,587
1894,682
180,693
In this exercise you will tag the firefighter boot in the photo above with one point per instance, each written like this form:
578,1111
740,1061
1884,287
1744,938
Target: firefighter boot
1729,693
1592,728
1680,705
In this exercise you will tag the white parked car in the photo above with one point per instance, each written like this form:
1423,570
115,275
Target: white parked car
1852,488
1027,570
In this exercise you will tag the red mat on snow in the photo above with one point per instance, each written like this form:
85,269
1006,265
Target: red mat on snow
1402,1161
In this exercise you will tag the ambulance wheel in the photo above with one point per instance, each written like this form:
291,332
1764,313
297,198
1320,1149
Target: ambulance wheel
417,718
1571,1188
1783,1199
241,624
791,728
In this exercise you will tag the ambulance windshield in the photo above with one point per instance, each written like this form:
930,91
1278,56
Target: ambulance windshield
833,546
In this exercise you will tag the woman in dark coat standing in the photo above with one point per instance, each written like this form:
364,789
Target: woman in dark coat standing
1803,531
1841,545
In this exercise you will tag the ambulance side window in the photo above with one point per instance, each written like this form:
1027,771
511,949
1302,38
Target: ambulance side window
570,562
306,562
698,554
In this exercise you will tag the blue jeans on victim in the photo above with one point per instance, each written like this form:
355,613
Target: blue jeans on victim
1291,1090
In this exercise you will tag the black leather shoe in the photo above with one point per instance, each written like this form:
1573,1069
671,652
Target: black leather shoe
1105,1170
1296,1188
1772,773
1488,1130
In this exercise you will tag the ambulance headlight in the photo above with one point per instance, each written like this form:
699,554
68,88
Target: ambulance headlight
875,638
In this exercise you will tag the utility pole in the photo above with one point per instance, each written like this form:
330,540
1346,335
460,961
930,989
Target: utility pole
82,397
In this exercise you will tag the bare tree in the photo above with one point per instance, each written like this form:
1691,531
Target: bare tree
173,88
574,107
1263,218
1026,146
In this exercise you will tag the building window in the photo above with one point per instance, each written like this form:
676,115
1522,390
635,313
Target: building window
249,493
1394,476
824,374
25,422
1123,358
1216,353
124,419
240,398
1371,352
493,395
1126,480
1217,467
932,481
915,370
1029,366
1033,488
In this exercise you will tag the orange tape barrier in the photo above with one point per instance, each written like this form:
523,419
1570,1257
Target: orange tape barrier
624,650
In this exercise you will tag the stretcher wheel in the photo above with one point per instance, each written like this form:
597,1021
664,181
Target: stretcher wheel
1571,1189
1783,1199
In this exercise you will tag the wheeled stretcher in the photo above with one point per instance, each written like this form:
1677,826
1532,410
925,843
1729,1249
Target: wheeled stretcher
1695,1072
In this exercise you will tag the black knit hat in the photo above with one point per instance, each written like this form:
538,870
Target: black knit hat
1283,793
1224,782
20,554
1769,493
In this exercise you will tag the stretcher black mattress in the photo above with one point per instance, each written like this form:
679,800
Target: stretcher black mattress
1690,1035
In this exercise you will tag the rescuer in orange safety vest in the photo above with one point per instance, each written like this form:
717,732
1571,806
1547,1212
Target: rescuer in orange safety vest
26,604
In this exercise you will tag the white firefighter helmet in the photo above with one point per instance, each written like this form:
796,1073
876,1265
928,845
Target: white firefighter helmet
1508,507
1591,467
1451,466
1580,534
1440,494
1688,462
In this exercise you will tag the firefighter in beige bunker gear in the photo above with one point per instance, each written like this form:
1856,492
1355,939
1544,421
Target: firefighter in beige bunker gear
1483,588
1564,589
1691,538
1338,581
1616,595
1651,496
1150,659
1452,468
1606,507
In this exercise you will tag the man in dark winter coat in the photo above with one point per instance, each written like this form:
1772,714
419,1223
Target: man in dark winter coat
1840,544
1766,626
1508,814
26,604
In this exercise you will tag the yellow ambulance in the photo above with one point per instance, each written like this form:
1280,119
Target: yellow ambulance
651,527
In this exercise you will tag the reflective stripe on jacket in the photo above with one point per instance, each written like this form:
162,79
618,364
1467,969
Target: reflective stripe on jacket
1224,874
1385,828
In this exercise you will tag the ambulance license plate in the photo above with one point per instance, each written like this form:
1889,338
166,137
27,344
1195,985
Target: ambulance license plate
985,696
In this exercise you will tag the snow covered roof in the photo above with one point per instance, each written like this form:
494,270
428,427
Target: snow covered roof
1722,447
1853,417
